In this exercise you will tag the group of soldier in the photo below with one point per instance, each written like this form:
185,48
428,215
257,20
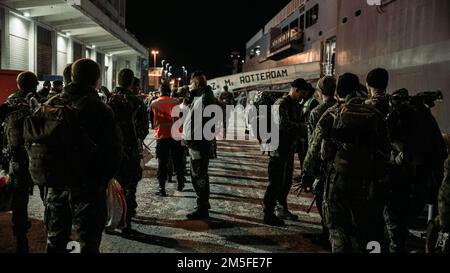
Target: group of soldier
373,161
359,155
74,143
72,160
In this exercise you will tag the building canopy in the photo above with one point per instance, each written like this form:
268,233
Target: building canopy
82,21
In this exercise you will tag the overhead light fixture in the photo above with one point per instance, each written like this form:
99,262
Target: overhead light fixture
26,14
68,34
93,46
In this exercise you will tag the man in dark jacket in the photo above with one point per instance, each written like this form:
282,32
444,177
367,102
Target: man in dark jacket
281,164
199,146
131,115
15,154
84,205
226,98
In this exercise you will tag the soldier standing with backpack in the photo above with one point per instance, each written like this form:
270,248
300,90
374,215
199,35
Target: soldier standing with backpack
351,136
131,115
418,155
327,89
12,116
74,148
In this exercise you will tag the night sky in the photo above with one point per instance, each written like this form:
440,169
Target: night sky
199,34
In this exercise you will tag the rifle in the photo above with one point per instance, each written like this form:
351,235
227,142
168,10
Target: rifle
299,188
312,204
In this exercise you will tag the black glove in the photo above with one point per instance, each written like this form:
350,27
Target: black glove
307,181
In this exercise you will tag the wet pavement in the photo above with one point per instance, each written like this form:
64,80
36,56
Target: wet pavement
238,181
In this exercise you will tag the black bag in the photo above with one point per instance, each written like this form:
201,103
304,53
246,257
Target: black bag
413,126
125,114
13,124
356,131
57,145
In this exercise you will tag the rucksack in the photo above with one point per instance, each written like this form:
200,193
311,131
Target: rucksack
356,130
412,125
57,145
125,114
13,125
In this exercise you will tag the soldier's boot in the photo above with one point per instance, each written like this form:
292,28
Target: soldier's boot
285,214
181,183
128,230
22,244
198,214
272,220
162,189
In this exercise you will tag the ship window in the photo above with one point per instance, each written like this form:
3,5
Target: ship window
312,16
358,13
258,51
302,22
294,30
344,20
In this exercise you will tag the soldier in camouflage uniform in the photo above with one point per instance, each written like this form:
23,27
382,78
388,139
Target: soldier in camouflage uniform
131,115
308,105
327,89
84,206
351,205
281,164
417,157
20,178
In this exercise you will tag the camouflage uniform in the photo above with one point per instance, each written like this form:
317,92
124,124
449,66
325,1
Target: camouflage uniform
314,118
352,206
281,164
308,106
134,131
316,114
411,174
84,206
444,199
19,176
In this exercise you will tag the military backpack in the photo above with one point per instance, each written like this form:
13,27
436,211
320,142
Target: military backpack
13,124
356,131
126,116
57,145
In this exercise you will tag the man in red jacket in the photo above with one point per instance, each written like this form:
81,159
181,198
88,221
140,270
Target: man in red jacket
166,145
